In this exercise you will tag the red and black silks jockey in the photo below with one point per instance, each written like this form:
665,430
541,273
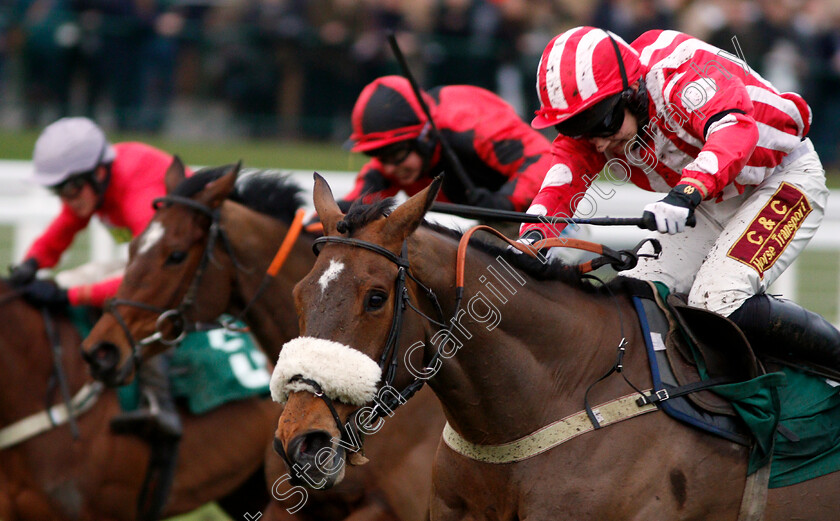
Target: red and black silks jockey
503,157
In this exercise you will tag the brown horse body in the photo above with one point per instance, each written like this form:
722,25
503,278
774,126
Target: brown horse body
398,485
98,477
526,361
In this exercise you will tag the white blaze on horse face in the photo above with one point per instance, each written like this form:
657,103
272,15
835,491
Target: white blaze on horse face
151,237
330,274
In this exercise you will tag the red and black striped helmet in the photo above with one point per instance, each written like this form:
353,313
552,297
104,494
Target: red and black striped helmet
387,112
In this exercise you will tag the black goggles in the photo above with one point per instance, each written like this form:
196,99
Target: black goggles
392,154
72,187
602,120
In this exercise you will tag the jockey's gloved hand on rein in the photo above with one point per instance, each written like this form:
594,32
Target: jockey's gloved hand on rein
675,211
485,198
23,273
529,238
45,293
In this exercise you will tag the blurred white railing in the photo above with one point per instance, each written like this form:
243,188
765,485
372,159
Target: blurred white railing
29,209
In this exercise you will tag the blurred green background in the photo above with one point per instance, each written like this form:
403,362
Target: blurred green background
255,153
319,156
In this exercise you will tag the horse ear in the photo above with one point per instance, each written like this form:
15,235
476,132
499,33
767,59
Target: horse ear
325,205
407,217
174,174
216,191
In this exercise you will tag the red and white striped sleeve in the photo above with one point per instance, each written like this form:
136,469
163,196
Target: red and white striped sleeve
734,123
576,164
724,124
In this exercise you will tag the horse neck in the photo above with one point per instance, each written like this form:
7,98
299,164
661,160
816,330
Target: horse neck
272,316
531,363
26,360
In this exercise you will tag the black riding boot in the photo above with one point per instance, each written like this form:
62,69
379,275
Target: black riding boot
786,330
157,417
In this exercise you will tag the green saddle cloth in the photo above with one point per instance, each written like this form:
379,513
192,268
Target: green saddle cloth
208,368
806,440
811,412
211,368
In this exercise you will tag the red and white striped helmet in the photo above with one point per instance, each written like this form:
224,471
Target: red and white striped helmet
579,68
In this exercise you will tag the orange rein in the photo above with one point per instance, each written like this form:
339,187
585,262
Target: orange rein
286,246
550,242
317,227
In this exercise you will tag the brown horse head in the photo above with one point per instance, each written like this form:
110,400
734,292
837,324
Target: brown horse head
157,296
350,354
207,251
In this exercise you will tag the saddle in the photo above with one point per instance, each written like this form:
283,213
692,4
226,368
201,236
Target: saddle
788,413
691,350
721,345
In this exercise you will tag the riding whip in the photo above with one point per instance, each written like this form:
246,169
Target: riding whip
490,214
447,149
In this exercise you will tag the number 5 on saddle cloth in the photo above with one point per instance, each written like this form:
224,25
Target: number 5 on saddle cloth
208,368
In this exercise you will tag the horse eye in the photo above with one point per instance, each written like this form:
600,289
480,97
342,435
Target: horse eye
176,257
375,299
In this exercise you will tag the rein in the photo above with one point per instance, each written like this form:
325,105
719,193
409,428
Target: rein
53,415
276,263
620,260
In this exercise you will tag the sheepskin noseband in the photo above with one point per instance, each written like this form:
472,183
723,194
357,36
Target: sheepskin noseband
345,374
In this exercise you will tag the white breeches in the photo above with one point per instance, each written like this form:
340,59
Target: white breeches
741,245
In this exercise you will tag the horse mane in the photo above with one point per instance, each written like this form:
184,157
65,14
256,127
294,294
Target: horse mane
360,215
269,192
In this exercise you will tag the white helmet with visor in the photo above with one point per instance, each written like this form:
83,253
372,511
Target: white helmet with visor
67,148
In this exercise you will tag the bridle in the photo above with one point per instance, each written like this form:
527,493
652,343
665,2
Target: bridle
388,360
176,317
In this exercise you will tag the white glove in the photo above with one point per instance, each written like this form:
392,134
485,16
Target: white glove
675,211
669,218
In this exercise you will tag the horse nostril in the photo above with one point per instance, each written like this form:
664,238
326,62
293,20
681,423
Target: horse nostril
103,359
308,445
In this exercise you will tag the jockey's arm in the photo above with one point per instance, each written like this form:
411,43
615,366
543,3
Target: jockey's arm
48,248
522,156
576,164
723,123
94,294
731,137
